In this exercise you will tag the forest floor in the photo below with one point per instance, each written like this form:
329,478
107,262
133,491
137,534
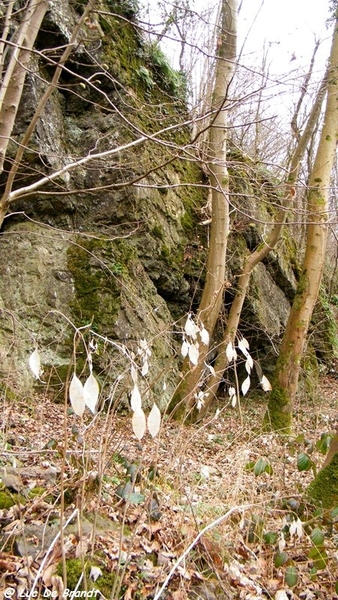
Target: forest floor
214,511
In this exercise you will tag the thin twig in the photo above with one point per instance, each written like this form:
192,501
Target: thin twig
197,538
74,513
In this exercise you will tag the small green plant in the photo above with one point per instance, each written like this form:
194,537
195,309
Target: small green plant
144,77
162,73
157,231
323,444
118,269
262,465
305,463
334,299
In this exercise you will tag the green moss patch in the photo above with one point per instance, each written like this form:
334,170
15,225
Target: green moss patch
74,568
324,489
97,267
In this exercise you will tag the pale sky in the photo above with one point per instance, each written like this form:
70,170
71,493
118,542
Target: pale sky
289,27
286,29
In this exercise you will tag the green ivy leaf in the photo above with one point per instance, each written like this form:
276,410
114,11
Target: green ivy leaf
52,444
304,462
291,576
293,504
319,557
334,513
136,498
317,537
280,559
250,465
270,537
262,466
323,444
313,573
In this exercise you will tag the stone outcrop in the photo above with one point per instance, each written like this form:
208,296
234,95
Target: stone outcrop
122,259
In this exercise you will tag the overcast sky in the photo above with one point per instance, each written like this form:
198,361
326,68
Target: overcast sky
286,28
289,27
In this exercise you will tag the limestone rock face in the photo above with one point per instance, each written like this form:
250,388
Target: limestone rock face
92,260
36,288
113,252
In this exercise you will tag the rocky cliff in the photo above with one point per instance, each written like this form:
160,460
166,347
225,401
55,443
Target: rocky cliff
117,246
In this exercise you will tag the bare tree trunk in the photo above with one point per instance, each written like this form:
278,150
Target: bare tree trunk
5,200
14,78
212,296
285,383
263,249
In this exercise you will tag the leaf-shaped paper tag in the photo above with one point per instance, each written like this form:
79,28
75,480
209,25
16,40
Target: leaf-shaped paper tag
193,354
91,392
154,421
95,573
204,336
76,396
144,348
35,364
145,368
248,364
189,326
211,369
135,399
200,400
245,385
184,348
266,385
296,527
230,352
243,345
139,423
281,595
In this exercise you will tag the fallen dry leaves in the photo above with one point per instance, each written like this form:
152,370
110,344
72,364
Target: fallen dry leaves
131,510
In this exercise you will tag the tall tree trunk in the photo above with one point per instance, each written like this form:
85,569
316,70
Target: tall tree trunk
212,296
11,91
14,78
222,361
285,382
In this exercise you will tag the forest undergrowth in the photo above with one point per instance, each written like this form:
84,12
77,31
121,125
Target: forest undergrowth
206,511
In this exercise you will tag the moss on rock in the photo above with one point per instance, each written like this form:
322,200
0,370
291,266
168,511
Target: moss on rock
6,499
324,329
324,488
97,266
74,568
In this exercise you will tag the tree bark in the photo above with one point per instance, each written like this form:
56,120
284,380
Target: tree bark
285,382
323,490
15,75
212,295
263,249
34,20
